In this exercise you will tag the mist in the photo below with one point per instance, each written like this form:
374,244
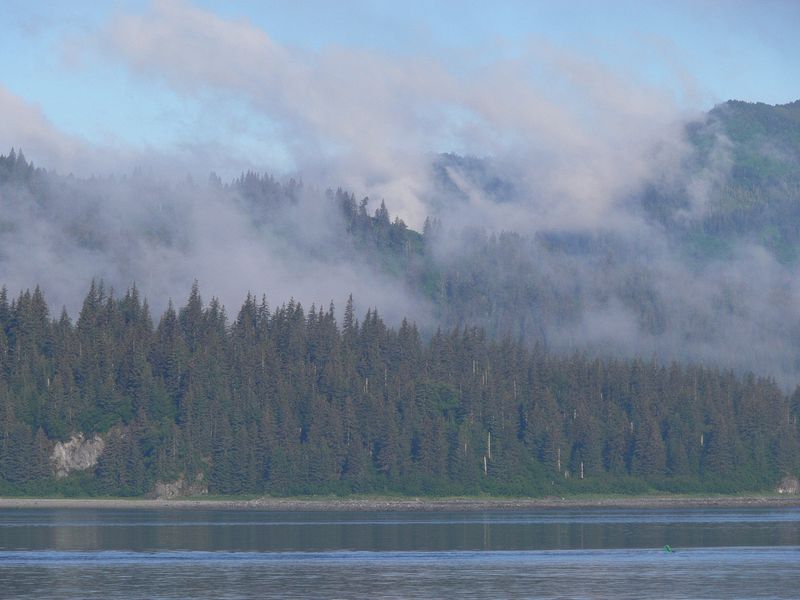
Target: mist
627,290
163,235
556,148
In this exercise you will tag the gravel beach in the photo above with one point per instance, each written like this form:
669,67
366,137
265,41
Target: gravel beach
407,504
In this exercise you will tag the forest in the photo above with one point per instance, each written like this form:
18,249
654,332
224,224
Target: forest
286,400
533,360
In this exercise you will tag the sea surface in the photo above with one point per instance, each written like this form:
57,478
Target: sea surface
548,553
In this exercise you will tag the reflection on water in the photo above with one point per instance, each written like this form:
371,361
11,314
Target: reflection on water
548,553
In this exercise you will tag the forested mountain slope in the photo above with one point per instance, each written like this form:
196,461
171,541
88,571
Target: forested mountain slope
750,157
288,401
704,269
515,358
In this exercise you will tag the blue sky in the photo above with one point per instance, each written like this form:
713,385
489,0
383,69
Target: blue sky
63,60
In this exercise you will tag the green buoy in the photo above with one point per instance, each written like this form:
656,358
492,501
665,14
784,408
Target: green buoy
668,549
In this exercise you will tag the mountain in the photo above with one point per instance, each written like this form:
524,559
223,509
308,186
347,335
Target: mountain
749,157
540,357
703,270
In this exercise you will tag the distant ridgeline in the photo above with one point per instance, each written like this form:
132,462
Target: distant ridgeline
287,401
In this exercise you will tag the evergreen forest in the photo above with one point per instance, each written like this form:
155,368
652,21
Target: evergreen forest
529,360
286,400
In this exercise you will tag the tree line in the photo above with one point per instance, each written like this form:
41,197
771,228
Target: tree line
292,401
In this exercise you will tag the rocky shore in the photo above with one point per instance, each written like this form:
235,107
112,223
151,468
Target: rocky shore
377,504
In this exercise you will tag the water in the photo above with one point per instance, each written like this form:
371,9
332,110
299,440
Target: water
556,553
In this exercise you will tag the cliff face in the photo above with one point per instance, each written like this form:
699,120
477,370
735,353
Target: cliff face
78,454
789,485
178,488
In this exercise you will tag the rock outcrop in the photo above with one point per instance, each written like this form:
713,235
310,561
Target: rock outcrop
179,488
789,485
78,454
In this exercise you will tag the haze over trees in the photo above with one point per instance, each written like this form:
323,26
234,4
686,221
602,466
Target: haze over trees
515,359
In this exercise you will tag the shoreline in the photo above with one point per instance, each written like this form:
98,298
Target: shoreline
370,504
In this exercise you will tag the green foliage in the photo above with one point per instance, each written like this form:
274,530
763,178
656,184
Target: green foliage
283,402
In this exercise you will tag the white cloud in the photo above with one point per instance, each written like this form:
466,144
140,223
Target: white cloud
25,126
579,132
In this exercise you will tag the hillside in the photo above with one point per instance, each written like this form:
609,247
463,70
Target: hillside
524,360
287,401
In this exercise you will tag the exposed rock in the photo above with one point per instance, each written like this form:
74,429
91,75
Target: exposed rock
78,454
180,487
789,485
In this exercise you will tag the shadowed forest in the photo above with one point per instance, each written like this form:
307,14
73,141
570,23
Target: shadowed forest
287,401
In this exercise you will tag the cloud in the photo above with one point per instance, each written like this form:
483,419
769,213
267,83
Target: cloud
25,126
577,132
163,235
574,138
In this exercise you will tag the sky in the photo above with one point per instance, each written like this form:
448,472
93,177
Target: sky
94,87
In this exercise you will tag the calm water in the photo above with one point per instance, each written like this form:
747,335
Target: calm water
597,553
